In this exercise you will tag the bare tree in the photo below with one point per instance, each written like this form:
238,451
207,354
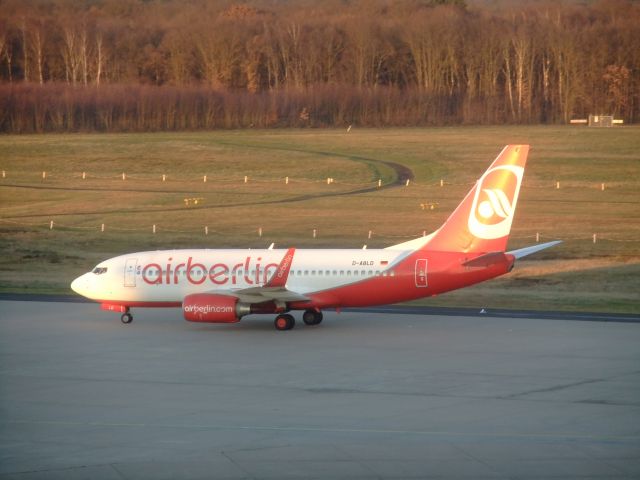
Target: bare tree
427,35
565,60
8,55
100,56
617,79
518,58
37,50
71,50
219,52
3,40
83,46
25,48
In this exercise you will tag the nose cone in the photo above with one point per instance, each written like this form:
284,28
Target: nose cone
81,285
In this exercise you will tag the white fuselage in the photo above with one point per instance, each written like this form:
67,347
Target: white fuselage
170,275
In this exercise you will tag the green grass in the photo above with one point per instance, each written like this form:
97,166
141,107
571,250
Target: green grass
36,259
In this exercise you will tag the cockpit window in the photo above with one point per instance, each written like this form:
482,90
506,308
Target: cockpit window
99,270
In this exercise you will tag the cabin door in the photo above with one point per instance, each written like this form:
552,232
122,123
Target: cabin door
130,272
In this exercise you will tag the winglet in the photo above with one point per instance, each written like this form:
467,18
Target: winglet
279,278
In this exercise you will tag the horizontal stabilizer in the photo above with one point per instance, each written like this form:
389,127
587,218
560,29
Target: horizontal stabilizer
486,260
523,252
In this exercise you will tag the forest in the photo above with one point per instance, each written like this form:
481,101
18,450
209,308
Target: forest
152,65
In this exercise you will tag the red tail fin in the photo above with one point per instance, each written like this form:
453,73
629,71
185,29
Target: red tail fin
482,221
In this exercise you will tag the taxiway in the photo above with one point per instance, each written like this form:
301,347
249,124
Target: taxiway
365,395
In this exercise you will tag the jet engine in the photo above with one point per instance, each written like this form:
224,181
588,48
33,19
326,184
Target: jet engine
212,308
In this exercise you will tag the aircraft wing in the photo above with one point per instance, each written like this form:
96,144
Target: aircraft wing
264,294
275,289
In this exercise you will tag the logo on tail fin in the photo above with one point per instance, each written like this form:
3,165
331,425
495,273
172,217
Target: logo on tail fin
494,202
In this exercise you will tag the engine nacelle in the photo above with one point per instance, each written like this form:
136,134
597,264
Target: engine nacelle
211,308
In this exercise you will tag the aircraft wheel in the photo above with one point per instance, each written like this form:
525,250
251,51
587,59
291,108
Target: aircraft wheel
312,317
284,322
126,318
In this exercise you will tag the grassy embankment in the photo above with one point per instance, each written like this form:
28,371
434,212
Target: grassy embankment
578,275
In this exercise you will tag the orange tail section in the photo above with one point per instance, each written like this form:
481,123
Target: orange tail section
482,221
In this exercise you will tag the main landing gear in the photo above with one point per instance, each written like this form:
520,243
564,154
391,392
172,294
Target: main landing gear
284,322
126,318
312,317
287,322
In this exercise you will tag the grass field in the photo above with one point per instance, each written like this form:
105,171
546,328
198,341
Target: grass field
578,275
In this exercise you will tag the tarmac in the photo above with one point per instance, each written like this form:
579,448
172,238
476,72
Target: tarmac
364,395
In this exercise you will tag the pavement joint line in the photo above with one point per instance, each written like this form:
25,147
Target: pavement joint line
555,388
274,428
400,309
515,396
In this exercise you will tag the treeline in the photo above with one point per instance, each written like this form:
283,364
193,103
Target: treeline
121,65
27,108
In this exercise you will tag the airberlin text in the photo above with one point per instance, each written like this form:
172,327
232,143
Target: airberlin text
195,273
204,309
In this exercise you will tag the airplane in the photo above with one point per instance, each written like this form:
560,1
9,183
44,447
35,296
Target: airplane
223,286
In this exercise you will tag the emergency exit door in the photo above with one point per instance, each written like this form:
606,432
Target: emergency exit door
421,272
130,272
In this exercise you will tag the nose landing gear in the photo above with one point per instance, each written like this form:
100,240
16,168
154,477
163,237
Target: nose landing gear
126,318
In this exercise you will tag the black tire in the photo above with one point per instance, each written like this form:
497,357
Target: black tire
284,322
312,317
126,318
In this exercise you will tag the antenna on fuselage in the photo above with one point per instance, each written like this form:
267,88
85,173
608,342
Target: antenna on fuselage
271,246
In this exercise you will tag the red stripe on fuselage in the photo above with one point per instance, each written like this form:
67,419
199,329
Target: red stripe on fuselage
445,273
140,304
